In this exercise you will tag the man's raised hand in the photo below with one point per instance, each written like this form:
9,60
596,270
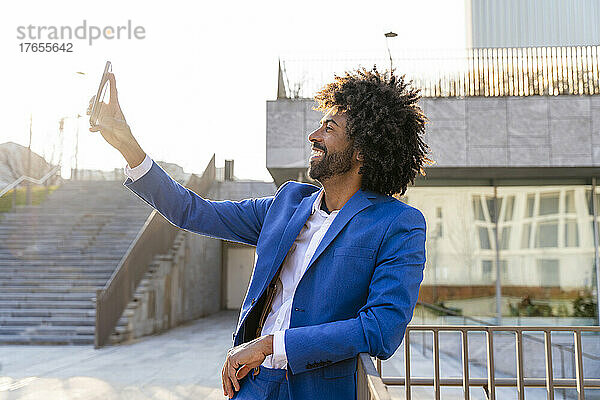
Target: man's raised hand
114,128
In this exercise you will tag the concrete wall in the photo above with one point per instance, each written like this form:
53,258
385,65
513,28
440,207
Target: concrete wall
514,131
473,132
190,281
180,286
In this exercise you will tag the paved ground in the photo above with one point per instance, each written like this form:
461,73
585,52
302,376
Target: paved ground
184,363
181,364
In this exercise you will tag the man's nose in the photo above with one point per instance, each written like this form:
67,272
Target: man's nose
315,136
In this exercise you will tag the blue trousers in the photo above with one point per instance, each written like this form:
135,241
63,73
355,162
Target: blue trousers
268,384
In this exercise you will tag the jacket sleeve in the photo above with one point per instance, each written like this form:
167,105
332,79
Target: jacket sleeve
380,325
238,221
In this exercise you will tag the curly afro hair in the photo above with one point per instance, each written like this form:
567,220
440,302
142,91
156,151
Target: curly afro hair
384,123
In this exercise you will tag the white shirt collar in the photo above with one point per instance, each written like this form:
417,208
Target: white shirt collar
317,204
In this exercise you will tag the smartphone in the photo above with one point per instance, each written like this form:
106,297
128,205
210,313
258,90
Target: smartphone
94,110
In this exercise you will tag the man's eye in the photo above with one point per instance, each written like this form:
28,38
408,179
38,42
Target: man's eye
327,127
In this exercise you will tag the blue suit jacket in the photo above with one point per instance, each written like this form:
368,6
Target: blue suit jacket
360,288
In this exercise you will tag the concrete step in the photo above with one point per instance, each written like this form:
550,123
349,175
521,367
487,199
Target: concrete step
47,329
55,268
52,275
44,312
65,257
50,339
75,304
27,322
38,282
46,296
4,263
74,288
54,256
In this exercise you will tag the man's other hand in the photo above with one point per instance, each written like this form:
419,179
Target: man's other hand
242,359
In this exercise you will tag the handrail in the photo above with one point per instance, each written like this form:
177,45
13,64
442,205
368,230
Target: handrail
155,237
369,385
490,383
22,178
480,321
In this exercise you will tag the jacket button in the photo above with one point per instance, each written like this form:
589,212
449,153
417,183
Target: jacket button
252,302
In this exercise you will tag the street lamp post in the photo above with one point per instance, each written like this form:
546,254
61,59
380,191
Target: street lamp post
390,35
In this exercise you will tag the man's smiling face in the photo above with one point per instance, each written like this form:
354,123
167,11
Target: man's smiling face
332,152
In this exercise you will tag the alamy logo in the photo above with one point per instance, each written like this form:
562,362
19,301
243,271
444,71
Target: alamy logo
84,31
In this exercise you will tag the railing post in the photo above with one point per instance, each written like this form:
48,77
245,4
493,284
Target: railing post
579,366
407,364
490,365
520,370
465,363
436,364
549,371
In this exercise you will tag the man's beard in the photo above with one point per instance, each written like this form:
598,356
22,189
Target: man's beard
331,164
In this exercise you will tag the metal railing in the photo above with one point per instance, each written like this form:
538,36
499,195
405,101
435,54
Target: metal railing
155,237
530,71
25,178
369,384
492,382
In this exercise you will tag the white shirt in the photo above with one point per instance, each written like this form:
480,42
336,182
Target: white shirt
293,268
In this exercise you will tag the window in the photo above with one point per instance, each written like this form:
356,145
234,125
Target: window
505,238
525,236
548,203
491,206
510,205
487,266
546,234
570,201
478,209
530,204
571,233
484,238
548,271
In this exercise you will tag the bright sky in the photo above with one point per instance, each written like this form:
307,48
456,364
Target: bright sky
198,83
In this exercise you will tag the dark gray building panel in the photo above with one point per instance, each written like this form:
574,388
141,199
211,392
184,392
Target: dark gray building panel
474,132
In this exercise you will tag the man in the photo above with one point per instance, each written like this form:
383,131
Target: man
338,269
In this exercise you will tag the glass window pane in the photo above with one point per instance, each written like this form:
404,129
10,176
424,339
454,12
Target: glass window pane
588,201
546,234
548,203
570,201
486,270
525,236
510,204
461,268
530,204
489,201
571,233
548,272
484,238
478,209
505,238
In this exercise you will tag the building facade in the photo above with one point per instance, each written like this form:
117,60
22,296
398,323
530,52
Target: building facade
508,201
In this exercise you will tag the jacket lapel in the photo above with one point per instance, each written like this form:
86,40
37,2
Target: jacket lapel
290,234
358,202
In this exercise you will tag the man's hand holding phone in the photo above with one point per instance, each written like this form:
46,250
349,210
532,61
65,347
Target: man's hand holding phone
114,128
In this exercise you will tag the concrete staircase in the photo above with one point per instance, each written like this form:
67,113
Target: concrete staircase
54,256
